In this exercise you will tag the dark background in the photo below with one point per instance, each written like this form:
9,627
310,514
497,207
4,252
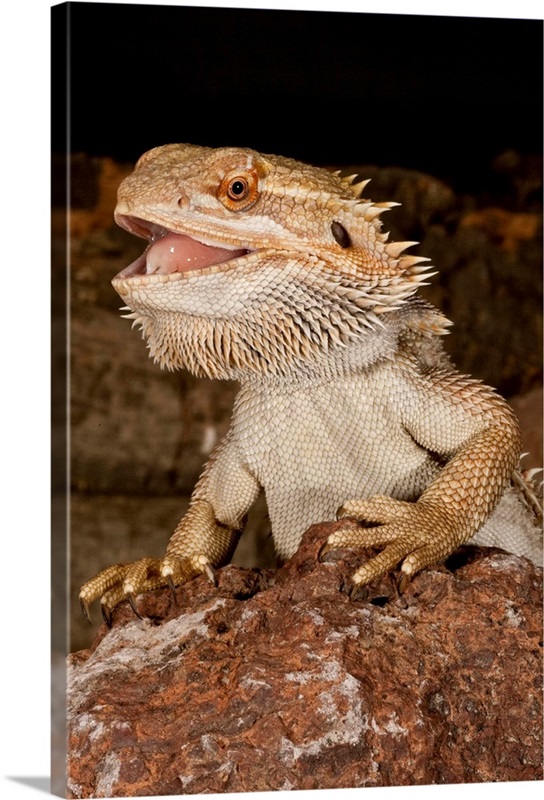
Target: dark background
442,95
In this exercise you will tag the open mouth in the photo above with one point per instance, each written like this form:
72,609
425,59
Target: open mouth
169,253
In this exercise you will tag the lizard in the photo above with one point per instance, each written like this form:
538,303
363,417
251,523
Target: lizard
278,274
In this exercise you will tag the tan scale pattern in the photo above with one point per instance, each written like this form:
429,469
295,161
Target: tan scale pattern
346,397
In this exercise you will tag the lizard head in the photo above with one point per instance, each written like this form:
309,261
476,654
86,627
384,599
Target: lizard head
254,263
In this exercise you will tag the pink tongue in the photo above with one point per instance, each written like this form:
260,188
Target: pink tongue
178,253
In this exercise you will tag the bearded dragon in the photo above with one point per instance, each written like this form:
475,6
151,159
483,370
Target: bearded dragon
278,274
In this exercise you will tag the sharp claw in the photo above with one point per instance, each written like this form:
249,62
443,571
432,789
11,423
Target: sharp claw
211,574
323,550
132,601
85,610
106,614
403,582
340,512
172,587
353,591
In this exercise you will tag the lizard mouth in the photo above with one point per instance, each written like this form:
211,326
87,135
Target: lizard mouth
170,253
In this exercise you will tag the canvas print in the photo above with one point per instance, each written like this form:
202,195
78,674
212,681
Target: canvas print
301,318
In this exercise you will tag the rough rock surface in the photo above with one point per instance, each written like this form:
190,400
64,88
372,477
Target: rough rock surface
277,680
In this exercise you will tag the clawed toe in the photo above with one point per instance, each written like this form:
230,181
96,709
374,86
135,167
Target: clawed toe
323,550
117,583
404,532
126,581
85,610
132,600
211,574
106,614
172,587
403,582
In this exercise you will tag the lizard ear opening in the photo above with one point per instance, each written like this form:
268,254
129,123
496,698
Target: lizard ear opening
341,235
240,191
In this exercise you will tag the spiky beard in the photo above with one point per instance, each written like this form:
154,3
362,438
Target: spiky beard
312,331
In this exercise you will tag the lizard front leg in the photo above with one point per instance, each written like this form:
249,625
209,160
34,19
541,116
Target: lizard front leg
475,432
204,539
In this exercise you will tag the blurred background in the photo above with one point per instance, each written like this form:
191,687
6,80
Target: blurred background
442,95
445,116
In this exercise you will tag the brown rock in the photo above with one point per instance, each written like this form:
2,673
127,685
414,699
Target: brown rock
507,228
528,408
277,680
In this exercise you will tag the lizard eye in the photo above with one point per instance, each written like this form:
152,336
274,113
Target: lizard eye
237,189
239,192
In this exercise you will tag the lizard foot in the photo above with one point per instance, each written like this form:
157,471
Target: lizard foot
418,534
125,581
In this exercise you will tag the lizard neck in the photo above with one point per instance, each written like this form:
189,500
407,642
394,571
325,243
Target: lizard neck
339,361
282,322
249,353
294,330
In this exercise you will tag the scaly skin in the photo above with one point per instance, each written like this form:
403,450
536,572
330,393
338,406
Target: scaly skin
347,397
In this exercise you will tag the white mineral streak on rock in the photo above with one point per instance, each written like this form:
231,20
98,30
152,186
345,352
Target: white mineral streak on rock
185,780
504,561
248,682
315,616
91,729
137,646
345,727
352,631
87,722
513,615
108,770
390,727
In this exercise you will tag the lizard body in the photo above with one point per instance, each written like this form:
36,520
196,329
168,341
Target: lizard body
277,274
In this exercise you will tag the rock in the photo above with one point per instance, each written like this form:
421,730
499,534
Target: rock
277,680
506,228
528,408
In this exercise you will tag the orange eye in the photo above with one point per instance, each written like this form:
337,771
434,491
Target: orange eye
239,192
